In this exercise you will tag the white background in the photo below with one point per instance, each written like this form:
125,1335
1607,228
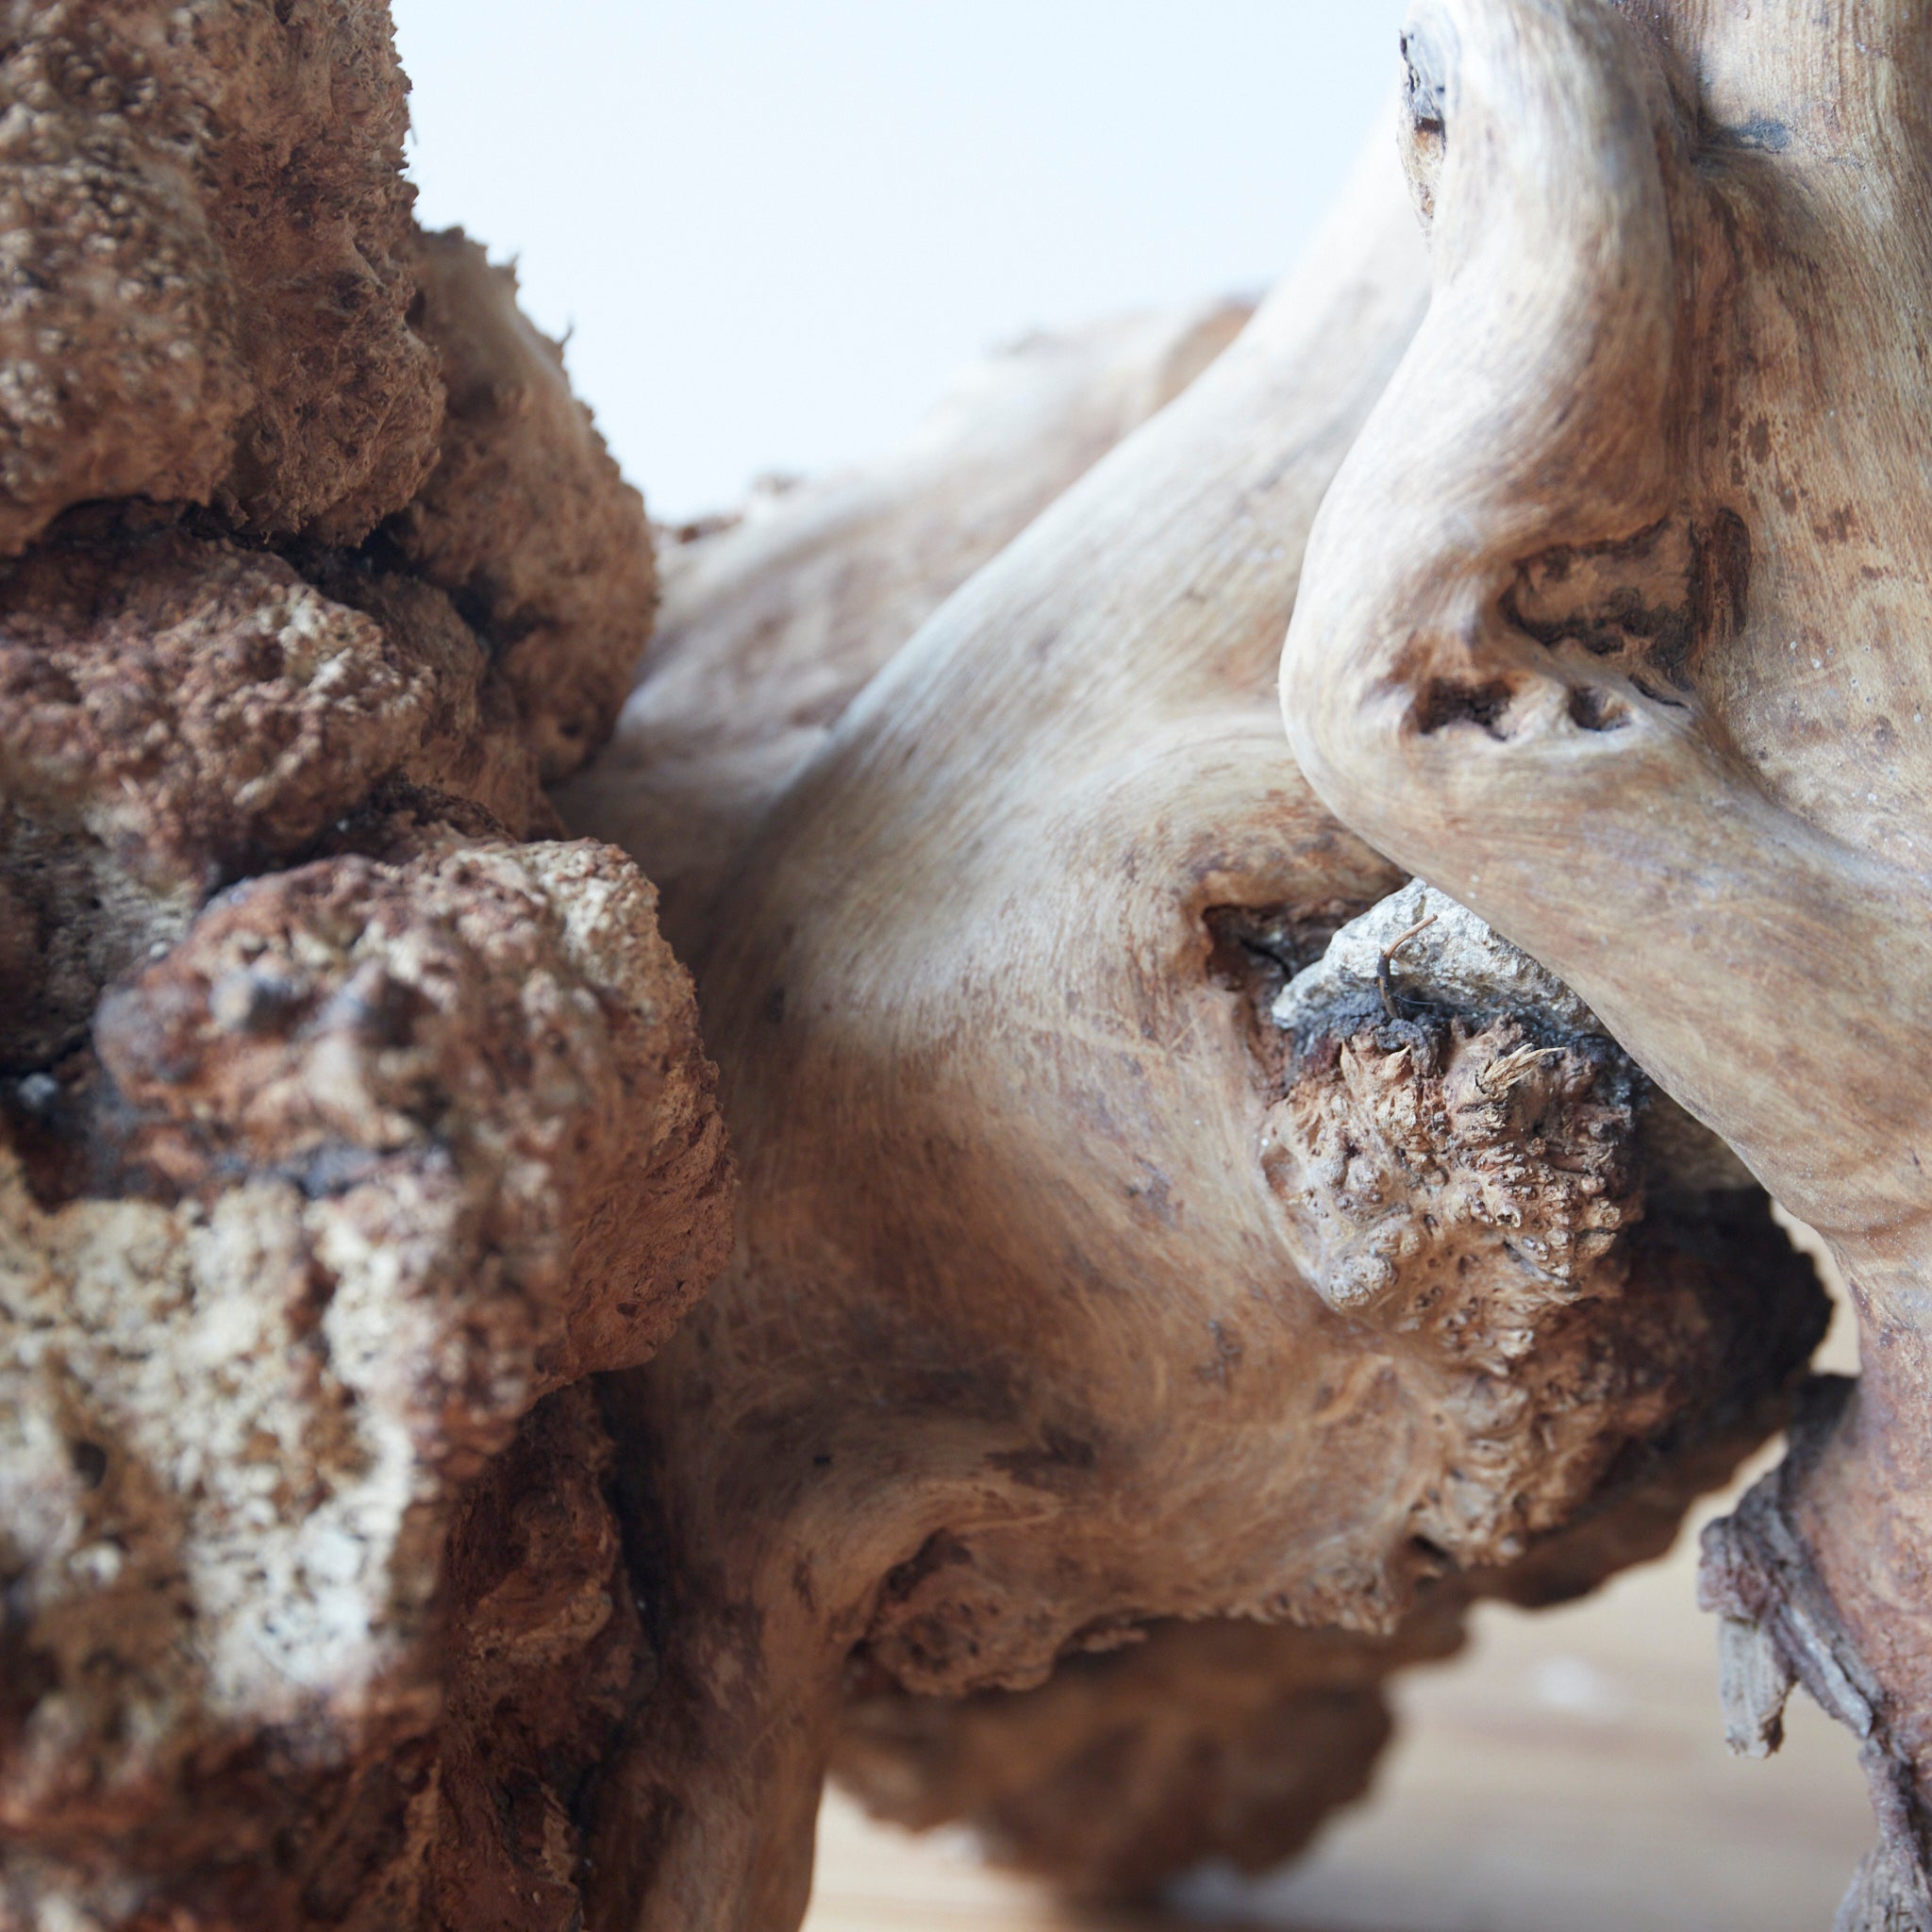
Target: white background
774,229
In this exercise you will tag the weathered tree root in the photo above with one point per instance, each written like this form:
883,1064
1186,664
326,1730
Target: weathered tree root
1151,1225
1034,1335
1612,626
1237,1741
342,1134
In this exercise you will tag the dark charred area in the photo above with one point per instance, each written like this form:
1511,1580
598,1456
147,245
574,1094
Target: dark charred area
1254,951
1653,604
1447,701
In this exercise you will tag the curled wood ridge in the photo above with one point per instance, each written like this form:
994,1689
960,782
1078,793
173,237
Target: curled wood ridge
1612,626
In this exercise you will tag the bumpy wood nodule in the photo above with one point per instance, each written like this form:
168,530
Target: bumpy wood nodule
1079,1298
1613,625
342,1133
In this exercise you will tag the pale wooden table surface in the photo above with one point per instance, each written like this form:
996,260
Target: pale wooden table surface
1567,1774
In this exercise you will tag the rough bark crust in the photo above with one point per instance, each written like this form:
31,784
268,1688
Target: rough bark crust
525,520
342,1135
1611,625
1033,1337
206,292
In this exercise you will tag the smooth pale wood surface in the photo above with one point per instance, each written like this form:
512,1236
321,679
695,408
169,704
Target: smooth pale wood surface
1567,1774
1648,330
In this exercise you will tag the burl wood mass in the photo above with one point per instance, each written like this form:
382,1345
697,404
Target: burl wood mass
1086,1228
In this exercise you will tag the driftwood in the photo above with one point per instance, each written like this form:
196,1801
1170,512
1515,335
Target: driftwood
1184,1256
1224,1737
1110,1258
1612,626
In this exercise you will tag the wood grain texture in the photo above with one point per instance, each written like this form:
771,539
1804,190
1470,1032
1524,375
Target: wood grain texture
1613,625
770,625
1031,1343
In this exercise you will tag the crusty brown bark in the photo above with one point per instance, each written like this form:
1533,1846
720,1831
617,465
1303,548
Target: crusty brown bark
181,711
342,1136
369,1159
525,521
209,300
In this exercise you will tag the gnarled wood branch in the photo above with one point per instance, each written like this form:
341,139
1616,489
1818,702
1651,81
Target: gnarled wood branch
1612,626
1164,1218
1061,1307
770,625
